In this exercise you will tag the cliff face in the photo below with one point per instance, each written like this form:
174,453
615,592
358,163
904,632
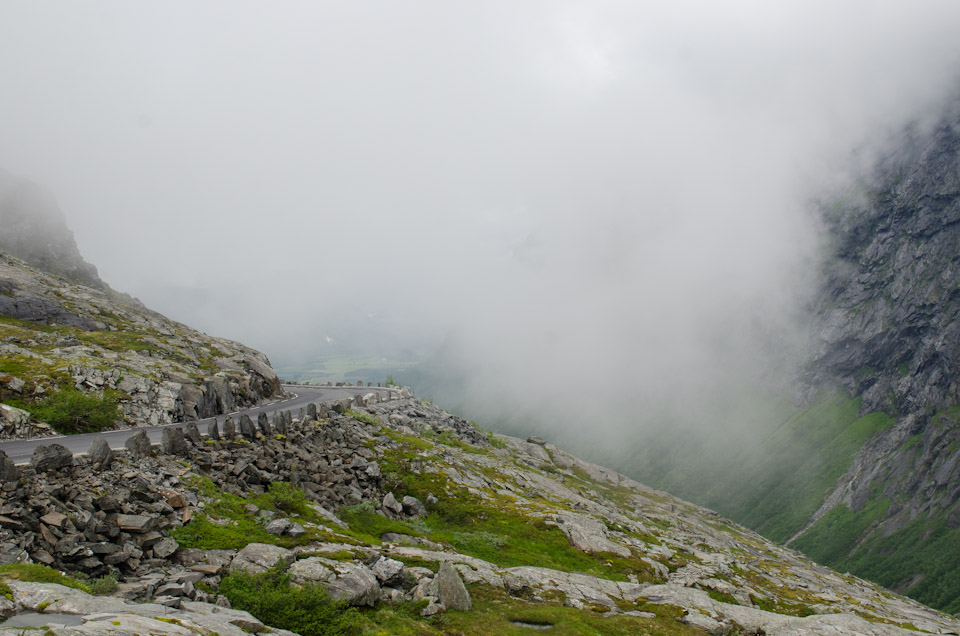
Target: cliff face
35,231
888,332
888,328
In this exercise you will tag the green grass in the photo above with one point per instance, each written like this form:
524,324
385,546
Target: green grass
832,538
924,546
493,529
494,612
35,573
235,527
362,416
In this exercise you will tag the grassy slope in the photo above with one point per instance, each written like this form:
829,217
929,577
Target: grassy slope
775,487
775,484
918,560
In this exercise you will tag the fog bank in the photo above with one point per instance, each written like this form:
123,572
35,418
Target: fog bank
590,203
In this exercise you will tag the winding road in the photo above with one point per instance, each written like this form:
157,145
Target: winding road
21,450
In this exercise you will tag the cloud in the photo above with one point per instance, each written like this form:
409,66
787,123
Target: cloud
612,194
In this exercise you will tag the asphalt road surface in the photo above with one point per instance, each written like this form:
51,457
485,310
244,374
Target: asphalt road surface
21,450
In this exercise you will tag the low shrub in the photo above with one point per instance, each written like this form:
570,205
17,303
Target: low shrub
308,610
70,411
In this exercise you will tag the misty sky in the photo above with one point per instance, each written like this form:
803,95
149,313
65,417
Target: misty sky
621,187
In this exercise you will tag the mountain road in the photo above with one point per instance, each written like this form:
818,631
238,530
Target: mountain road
21,450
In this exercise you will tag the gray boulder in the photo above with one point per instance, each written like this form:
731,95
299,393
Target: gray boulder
388,571
138,444
173,442
8,469
192,433
212,431
588,534
51,457
101,457
391,504
229,429
263,424
165,548
259,557
296,531
311,412
278,526
450,588
310,570
355,584
246,427
413,506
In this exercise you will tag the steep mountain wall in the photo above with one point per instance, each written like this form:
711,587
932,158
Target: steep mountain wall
888,332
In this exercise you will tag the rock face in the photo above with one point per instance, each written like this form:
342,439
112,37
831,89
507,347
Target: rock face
34,229
887,331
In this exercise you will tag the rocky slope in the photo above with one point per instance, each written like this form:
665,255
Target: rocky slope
417,518
57,335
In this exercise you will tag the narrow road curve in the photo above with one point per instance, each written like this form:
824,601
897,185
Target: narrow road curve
21,450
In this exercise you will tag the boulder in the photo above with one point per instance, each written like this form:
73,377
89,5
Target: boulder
135,523
212,431
101,457
388,571
12,417
450,588
310,570
13,383
355,584
296,531
51,457
259,557
165,548
192,433
12,553
263,424
413,506
173,442
229,429
311,412
278,527
8,469
138,444
391,504
246,427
